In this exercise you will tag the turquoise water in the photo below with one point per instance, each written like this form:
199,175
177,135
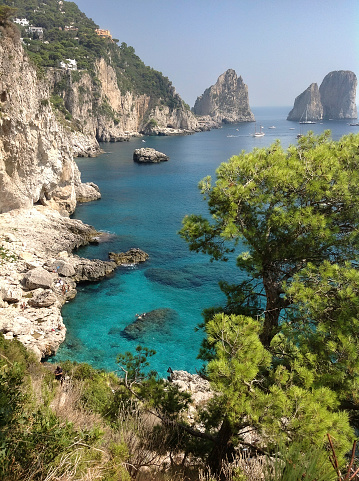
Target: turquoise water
143,206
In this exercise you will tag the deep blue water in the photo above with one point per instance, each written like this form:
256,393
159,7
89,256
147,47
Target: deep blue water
143,206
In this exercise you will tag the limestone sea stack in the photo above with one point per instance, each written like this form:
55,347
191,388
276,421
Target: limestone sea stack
226,101
307,106
149,156
335,99
338,92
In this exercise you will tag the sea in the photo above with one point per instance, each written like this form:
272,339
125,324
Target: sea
158,304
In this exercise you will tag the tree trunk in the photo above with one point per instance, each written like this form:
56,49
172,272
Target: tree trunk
223,449
273,307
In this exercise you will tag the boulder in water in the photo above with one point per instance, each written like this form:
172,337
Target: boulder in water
132,256
147,155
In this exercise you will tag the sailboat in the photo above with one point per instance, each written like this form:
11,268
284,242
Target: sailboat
306,121
258,134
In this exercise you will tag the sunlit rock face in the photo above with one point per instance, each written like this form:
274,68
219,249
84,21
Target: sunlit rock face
307,106
226,101
338,92
36,158
335,99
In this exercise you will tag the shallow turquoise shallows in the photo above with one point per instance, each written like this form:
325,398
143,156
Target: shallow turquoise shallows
143,206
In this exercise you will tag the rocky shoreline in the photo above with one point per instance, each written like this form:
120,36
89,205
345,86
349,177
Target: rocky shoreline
39,273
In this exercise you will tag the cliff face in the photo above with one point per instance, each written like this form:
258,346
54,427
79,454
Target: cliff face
307,105
106,113
226,101
338,91
335,99
36,154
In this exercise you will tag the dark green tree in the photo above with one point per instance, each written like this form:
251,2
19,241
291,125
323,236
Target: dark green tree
287,208
292,368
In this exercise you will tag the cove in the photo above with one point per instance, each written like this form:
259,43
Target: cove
143,206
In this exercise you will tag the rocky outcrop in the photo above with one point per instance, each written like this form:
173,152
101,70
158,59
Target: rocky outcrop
91,269
335,99
338,95
36,149
108,114
87,192
149,156
38,274
132,256
307,106
226,101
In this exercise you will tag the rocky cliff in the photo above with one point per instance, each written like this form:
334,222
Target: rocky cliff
338,95
106,113
335,99
226,101
36,145
307,105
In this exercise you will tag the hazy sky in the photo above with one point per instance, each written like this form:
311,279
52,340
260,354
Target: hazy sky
279,47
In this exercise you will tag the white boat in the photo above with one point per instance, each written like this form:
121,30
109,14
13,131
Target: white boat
306,121
258,134
272,127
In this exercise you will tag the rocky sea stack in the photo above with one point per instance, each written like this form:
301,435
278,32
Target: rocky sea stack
226,101
335,99
149,156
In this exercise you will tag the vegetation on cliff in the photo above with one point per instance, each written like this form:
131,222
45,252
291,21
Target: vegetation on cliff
69,34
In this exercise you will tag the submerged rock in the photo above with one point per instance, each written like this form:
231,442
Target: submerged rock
186,277
147,155
148,322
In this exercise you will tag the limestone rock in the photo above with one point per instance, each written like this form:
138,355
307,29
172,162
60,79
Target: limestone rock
37,278
226,101
92,270
40,243
132,256
36,162
11,293
147,155
307,105
199,388
63,268
130,113
42,298
87,192
338,95
335,99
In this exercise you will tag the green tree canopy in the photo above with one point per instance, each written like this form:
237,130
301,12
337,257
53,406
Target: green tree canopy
283,355
288,208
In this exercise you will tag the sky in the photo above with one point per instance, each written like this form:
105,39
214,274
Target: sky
279,47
